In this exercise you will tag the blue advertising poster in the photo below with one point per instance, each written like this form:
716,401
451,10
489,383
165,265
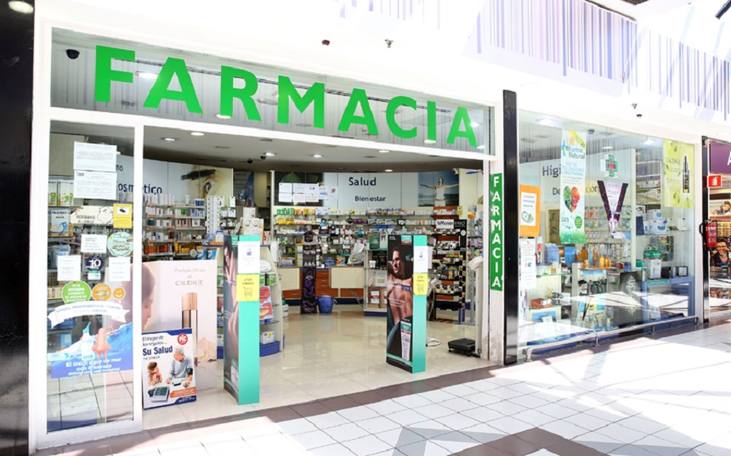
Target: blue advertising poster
87,357
168,363
439,188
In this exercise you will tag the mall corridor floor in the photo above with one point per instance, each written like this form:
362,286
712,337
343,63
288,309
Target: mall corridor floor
648,396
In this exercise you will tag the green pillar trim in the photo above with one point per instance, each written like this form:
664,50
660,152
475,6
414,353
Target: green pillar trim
418,325
249,358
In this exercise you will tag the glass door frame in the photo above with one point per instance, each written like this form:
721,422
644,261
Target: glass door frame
39,437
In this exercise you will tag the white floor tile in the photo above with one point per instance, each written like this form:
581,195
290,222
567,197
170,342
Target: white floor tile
359,413
534,418
458,404
400,436
412,401
328,420
406,417
661,447
483,398
642,424
599,442
430,428
483,433
509,425
437,396
386,407
331,450
433,411
483,414
506,408
378,424
529,401
313,439
367,445
457,421
555,410
586,421
621,433
564,429
346,432
296,426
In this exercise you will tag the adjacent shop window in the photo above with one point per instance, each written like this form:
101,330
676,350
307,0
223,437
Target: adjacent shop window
718,228
89,350
606,230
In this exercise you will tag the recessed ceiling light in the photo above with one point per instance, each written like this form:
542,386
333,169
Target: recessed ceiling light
146,75
481,147
548,123
429,141
316,155
475,124
169,139
20,7
607,148
269,154
649,142
388,170
223,116
196,133
383,151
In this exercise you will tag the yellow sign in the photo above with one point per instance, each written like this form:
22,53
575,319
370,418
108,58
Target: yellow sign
119,293
101,292
421,283
247,287
122,217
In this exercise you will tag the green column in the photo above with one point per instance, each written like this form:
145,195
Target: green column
418,328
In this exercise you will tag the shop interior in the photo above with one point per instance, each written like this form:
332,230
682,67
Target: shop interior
718,229
323,213
607,231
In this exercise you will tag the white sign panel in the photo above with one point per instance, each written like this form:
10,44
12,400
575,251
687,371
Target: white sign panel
118,269
528,269
95,157
421,259
444,224
248,257
368,190
95,185
93,243
68,268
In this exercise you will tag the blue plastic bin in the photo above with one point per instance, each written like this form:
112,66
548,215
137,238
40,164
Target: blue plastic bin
325,304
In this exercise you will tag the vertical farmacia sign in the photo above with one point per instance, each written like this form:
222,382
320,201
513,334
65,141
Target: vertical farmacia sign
496,231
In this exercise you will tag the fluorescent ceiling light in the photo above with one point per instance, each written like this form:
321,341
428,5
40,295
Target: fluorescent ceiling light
269,154
549,123
146,75
223,116
388,170
481,147
20,7
383,151
649,142
429,141
607,148
475,124
316,155
196,133
168,139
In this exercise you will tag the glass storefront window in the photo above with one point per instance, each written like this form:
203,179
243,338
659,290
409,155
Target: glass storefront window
718,229
89,305
606,230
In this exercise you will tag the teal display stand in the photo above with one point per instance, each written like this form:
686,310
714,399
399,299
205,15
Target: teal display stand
248,321
418,335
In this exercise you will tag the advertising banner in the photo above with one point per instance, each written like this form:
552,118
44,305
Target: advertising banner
720,157
400,301
530,211
612,194
677,174
169,369
184,296
573,187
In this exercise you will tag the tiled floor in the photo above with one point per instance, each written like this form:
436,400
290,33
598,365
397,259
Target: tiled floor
644,397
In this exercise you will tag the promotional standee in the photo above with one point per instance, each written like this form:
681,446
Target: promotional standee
406,289
169,368
241,317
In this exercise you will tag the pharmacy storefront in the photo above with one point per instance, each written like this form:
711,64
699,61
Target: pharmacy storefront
196,215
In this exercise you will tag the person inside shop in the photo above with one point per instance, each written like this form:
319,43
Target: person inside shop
720,255
725,208
181,371
399,297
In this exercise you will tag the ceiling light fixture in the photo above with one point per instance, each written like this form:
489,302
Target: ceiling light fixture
481,147
169,139
607,148
388,170
649,142
429,141
383,151
20,7
146,75
475,124
269,154
223,116
196,133
316,155
547,122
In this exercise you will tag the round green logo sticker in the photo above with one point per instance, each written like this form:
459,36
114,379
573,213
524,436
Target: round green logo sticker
76,292
120,244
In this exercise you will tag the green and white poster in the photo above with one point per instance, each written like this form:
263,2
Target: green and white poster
677,174
573,187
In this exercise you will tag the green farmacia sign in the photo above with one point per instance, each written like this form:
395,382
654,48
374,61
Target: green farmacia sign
238,85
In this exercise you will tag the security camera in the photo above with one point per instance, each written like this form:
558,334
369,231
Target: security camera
591,131
389,42
73,54
639,114
325,42
634,105
250,161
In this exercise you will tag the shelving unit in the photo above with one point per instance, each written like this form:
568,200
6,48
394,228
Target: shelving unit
173,230
449,264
